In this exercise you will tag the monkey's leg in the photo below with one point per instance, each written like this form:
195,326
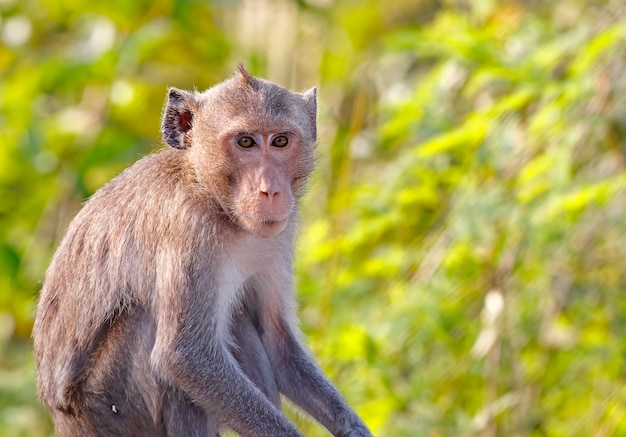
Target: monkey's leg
181,417
250,352
113,396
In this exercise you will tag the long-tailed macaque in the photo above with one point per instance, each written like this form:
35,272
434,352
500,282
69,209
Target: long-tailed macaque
168,307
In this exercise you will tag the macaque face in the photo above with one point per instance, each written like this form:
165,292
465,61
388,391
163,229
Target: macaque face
262,195
251,144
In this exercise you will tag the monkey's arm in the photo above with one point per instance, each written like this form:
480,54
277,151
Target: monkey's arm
195,359
298,376
302,381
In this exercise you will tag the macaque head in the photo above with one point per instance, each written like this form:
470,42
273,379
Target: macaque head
251,145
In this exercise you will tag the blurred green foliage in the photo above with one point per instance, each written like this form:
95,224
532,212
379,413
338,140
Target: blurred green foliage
461,264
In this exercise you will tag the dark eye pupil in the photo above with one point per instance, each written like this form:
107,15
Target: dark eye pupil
245,142
280,141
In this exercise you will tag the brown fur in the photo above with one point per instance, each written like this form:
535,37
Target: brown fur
168,308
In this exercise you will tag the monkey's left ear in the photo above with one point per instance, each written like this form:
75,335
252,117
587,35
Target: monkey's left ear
310,99
178,118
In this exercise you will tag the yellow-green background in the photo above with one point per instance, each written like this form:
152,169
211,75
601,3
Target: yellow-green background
462,266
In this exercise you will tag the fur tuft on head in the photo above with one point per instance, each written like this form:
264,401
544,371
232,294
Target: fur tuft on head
246,78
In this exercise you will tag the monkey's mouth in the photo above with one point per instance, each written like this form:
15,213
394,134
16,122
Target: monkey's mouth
263,221
265,227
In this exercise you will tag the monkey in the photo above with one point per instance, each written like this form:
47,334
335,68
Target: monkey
168,308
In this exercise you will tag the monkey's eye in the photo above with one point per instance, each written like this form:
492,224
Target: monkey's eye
246,142
280,141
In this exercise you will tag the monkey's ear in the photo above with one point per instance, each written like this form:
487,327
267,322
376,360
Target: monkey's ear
310,99
178,118
310,96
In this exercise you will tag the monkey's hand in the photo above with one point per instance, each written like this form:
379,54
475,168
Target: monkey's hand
351,424
357,430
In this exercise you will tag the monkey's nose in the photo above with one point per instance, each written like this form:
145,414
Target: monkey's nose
269,193
268,188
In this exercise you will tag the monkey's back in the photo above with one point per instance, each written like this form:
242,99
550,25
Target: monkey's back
93,332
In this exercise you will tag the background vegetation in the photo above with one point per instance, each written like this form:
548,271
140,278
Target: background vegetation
461,266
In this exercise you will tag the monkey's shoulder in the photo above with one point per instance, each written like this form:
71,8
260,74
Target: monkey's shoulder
155,192
160,171
153,178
